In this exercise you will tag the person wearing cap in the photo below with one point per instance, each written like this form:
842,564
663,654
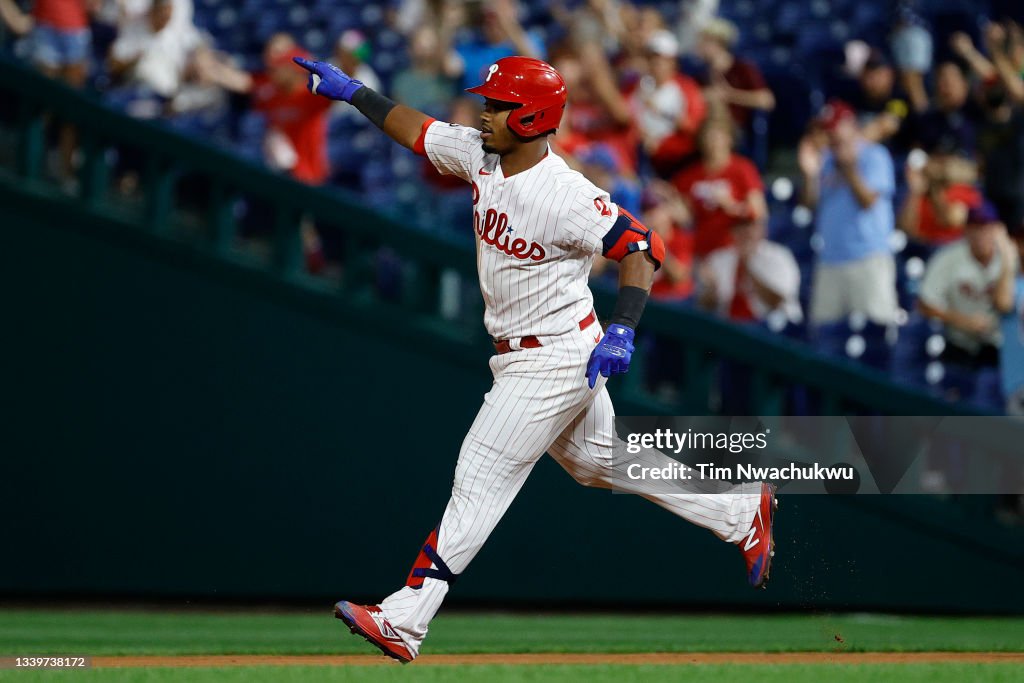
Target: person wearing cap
297,123
731,81
968,285
668,106
850,183
751,278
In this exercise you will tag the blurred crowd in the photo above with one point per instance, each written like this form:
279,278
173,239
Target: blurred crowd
874,210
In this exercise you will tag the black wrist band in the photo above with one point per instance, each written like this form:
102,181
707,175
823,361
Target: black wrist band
629,306
372,105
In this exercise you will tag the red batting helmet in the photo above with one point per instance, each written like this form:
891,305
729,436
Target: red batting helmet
530,83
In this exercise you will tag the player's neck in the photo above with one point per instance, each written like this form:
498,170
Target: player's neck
524,157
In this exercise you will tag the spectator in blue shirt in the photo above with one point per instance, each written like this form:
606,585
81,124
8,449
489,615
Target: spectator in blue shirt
497,34
850,182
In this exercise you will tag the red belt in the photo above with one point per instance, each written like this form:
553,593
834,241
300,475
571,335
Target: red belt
531,342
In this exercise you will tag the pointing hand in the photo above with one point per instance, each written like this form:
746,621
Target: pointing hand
329,81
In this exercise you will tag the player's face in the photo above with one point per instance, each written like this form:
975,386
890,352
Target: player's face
495,136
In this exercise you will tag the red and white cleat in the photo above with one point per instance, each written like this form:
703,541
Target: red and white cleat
368,621
758,546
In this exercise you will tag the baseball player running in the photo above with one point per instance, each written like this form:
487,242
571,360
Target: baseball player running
539,225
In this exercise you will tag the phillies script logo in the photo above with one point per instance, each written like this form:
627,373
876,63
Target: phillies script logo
493,229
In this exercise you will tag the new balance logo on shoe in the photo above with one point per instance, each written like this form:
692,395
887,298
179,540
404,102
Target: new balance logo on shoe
384,627
750,541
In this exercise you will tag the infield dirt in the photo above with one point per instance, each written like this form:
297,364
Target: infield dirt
667,658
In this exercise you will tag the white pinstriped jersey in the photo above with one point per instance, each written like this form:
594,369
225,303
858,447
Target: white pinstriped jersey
537,234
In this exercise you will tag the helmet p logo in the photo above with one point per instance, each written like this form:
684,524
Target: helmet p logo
493,69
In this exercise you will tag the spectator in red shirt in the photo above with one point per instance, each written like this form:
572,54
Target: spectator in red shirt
668,217
280,93
719,189
668,106
297,123
732,82
296,139
939,197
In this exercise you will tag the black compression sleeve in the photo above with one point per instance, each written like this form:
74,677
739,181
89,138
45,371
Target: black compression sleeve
372,105
629,306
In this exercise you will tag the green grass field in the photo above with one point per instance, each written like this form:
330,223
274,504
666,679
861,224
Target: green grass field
136,632
911,673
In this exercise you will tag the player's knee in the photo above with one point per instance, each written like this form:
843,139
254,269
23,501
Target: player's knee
591,477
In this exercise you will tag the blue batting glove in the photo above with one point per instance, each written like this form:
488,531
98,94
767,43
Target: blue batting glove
329,81
611,355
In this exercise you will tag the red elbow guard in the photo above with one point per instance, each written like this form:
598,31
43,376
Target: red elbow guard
657,249
629,235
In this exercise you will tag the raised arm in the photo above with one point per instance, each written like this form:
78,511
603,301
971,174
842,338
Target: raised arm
19,22
222,73
909,217
761,97
810,160
1009,75
603,81
980,65
862,191
400,123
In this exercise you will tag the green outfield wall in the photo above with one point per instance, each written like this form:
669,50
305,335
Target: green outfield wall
176,426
